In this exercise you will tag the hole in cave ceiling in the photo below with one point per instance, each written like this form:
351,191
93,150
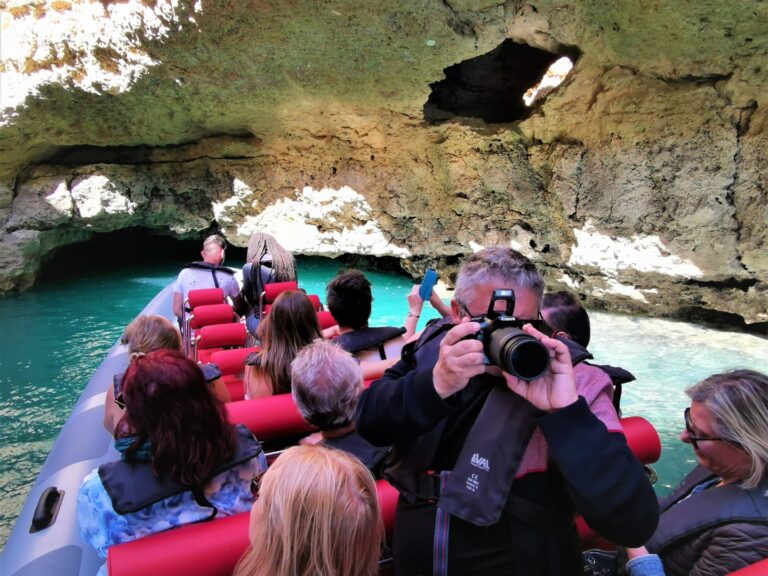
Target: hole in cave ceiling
494,86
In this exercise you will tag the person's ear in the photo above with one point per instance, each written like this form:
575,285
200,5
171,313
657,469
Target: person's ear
455,311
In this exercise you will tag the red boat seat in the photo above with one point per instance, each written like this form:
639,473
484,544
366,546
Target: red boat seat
232,361
207,548
315,300
210,339
204,296
235,387
757,569
269,418
326,319
211,314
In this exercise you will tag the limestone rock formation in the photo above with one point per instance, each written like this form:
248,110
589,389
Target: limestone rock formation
397,129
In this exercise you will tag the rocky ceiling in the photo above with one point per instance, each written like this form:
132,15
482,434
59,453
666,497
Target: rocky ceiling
397,129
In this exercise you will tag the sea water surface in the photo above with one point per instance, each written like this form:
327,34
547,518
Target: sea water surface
56,334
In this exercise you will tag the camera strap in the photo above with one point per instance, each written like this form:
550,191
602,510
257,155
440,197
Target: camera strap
479,485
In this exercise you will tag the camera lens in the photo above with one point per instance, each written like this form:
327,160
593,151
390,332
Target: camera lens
517,353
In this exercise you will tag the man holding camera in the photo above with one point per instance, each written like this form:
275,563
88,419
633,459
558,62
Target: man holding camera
492,464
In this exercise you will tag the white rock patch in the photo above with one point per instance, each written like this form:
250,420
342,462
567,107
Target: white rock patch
287,220
50,44
641,253
97,196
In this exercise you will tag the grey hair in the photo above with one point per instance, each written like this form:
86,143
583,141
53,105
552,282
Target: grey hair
497,263
326,383
738,400
214,240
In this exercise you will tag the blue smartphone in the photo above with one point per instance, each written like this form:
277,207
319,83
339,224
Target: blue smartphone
425,290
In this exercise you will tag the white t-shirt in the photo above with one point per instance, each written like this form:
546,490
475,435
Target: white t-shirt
196,279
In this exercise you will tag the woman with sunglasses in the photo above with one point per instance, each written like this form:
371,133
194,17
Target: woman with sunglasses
143,335
716,520
180,459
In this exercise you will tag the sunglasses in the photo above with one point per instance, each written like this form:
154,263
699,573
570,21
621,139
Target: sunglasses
120,401
692,436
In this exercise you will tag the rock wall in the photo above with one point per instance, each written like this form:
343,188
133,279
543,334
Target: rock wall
637,182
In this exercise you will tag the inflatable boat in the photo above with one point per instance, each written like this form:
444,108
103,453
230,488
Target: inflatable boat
45,538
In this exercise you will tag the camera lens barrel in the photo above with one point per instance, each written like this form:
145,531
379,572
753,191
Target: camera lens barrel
517,353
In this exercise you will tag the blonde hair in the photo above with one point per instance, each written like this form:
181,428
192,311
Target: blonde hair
148,333
319,516
283,263
738,401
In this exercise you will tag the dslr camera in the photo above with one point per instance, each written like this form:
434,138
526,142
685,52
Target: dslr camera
504,342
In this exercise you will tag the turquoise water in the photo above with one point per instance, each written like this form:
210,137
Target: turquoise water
55,335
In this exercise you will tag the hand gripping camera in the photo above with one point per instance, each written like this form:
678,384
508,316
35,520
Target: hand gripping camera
506,345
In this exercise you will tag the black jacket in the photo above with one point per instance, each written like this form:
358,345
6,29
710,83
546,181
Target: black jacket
591,471
714,532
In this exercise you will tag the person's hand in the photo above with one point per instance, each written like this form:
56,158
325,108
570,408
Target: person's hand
459,359
415,303
557,387
637,552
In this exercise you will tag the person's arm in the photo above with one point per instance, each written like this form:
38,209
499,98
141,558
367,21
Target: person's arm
375,369
257,385
177,304
642,563
415,305
606,483
731,547
220,389
407,401
437,303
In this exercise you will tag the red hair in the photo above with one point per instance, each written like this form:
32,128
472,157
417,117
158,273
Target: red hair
168,402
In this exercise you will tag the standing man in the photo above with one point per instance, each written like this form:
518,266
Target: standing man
491,469
206,274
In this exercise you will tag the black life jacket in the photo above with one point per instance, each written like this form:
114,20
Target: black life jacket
364,338
252,271
707,509
212,267
478,488
132,486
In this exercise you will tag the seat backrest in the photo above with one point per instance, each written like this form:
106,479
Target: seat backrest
315,300
232,361
273,290
220,336
269,418
204,296
211,314
326,319
206,548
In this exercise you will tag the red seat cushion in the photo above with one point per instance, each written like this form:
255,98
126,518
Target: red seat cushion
272,291
211,314
205,296
232,361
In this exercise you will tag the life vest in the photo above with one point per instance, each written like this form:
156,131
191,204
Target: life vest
364,338
256,279
132,486
212,267
478,487
706,510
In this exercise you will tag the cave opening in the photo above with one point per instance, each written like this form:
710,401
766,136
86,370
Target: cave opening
493,86
129,249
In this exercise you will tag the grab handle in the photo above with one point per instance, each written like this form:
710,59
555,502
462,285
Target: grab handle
47,509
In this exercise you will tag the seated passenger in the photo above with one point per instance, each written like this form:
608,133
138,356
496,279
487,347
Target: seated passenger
317,514
716,520
290,325
181,461
267,262
348,298
564,314
210,273
145,334
327,383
